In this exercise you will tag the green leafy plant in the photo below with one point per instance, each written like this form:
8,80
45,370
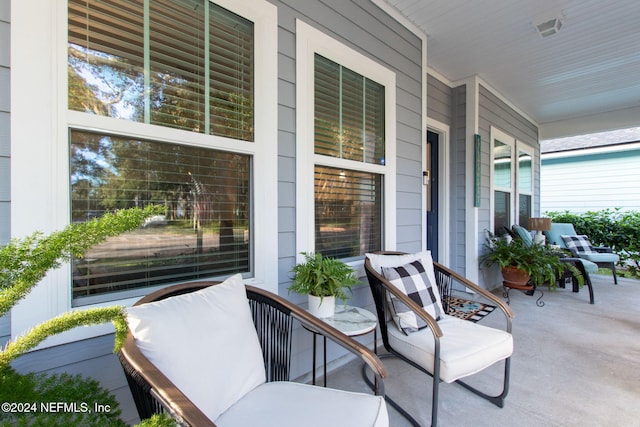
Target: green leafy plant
322,276
23,263
542,263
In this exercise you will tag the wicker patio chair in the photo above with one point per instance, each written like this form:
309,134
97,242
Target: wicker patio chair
448,349
275,400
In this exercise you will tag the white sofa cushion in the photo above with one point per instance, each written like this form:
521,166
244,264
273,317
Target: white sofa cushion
289,404
205,342
465,348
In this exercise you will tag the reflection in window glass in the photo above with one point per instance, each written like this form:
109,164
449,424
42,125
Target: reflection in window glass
502,186
205,229
197,79
347,212
349,114
525,187
502,212
502,165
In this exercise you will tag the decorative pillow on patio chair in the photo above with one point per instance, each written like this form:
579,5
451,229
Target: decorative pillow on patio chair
448,349
602,256
218,354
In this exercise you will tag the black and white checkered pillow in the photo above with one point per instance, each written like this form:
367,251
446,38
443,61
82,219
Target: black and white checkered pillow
413,281
580,243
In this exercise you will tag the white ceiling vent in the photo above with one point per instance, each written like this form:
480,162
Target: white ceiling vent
549,27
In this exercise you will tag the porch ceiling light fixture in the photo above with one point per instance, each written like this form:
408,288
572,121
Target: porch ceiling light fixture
549,27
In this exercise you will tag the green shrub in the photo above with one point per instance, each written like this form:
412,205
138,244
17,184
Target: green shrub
74,400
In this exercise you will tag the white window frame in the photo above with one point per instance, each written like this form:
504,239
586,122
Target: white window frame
522,147
310,41
40,124
516,147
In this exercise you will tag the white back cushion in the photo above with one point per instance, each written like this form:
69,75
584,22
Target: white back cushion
205,342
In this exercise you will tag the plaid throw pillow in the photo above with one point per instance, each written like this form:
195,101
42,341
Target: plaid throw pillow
580,243
412,280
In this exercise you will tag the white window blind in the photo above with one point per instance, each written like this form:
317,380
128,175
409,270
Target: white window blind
349,114
185,64
205,231
348,215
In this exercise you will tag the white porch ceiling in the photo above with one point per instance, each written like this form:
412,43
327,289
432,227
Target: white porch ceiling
591,66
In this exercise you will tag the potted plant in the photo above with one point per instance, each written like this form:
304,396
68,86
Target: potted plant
323,279
526,266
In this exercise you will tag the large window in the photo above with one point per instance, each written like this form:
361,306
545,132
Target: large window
349,124
512,178
184,74
346,126
204,231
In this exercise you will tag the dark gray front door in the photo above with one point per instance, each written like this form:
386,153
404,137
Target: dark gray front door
432,193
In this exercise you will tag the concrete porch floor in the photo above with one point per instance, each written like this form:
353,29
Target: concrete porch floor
574,364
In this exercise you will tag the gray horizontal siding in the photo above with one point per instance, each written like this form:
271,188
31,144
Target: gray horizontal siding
367,29
439,98
360,25
457,178
364,27
5,129
495,112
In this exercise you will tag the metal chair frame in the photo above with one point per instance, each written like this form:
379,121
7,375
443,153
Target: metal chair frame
273,317
445,278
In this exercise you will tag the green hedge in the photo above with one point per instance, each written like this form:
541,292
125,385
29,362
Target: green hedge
617,229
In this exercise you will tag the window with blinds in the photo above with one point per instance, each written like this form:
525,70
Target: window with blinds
205,231
349,114
348,212
185,64
349,124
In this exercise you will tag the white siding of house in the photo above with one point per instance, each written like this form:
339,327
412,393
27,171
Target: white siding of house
579,182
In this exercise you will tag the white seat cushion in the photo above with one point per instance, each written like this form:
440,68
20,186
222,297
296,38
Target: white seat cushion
289,404
205,342
465,348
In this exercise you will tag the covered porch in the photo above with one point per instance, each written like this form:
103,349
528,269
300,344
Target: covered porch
574,364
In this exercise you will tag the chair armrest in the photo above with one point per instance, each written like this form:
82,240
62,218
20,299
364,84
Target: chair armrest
603,249
485,293
170,397
419,311
315,324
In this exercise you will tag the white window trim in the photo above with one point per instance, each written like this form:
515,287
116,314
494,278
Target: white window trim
39,144
310,41
521,146
516,147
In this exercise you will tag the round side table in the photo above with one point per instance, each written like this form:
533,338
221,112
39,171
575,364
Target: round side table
351,321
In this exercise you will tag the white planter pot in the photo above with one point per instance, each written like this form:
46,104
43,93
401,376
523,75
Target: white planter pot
322,307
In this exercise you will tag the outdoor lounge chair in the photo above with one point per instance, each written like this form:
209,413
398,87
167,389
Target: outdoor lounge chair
219,354
584,266
447,349
565,236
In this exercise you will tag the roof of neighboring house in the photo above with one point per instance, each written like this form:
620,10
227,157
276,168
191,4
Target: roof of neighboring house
593,140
